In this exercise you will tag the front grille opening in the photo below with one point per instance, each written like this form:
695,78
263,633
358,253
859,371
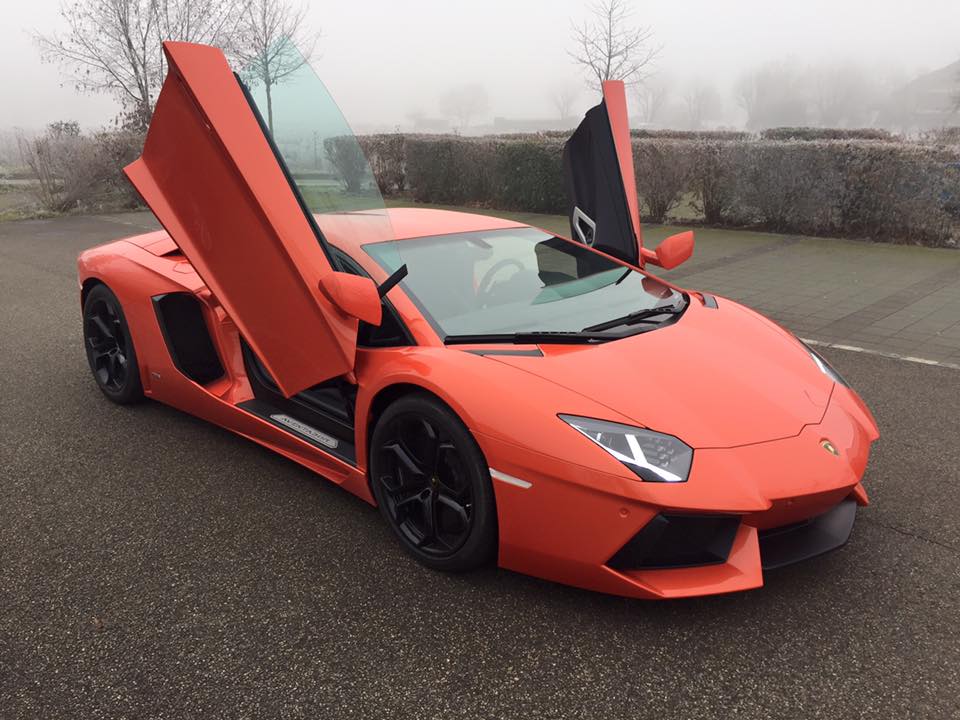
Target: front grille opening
781,530
676,541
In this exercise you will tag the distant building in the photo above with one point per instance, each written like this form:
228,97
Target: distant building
927,102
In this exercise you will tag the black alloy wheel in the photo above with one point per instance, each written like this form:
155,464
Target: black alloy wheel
109,347
432,484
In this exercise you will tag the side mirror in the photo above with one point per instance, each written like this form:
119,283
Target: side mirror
355,295
675,250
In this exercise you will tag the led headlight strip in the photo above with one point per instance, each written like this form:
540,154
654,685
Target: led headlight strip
653,456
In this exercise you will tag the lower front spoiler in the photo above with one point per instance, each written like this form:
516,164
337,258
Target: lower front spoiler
753,552
802,541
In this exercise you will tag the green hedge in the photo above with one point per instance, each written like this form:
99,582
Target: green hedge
812,133
690,134
877,189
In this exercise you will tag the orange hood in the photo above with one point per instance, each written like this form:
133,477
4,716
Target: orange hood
716,378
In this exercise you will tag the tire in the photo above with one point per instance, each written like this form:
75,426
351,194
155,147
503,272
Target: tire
432,485
109,347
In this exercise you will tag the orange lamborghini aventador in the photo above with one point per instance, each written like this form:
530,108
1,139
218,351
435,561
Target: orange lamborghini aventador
502,394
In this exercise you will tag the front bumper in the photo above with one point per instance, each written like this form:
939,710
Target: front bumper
792,500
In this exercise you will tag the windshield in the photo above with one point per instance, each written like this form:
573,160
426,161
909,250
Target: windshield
518,281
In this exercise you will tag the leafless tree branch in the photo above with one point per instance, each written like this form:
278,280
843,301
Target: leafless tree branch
115,46
272,44
608,46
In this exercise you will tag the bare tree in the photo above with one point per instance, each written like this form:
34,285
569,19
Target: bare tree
109,46
610,47
463,103
652,96
114,46
563,98
273,44
842,95
703,104
772,96
212,22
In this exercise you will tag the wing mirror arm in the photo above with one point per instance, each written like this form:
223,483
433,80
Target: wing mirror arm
391,282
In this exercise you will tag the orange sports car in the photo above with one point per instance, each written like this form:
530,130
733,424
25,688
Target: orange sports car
499,392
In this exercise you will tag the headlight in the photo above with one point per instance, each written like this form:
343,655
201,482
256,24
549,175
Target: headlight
825,366
653,456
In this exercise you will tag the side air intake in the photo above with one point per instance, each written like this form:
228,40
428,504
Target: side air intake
188,340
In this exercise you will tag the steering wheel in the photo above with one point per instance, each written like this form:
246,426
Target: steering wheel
486,282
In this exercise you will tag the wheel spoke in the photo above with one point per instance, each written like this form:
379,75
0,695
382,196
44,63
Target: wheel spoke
458,510
404,458
430,444
408,498
113,367
445,473
430,516
98,352
106,332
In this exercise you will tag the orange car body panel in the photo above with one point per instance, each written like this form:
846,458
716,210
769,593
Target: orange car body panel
733,385
615,97
728,386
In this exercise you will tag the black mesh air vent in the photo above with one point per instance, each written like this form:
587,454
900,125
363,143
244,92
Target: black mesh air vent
181,320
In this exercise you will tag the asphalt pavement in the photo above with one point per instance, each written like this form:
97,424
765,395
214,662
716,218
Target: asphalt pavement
155,566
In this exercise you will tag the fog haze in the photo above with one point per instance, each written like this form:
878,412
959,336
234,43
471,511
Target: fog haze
386,62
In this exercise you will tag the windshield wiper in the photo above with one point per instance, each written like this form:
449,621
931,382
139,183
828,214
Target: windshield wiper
556,337
635,317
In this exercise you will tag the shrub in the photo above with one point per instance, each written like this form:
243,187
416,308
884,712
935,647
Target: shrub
783,186
896,191
712,179
115,150
563,135
75,171
528,176
690,134
448,170
942,136
344,153
662,174
386,154
812,133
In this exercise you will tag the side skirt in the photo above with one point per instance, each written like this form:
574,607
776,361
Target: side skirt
283,418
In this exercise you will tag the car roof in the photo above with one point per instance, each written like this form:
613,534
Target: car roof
350,231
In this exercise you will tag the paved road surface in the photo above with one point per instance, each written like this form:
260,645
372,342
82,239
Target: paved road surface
155,566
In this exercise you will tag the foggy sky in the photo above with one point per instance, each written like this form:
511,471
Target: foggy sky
385,59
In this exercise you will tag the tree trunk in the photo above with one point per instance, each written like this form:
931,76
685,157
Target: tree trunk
266,87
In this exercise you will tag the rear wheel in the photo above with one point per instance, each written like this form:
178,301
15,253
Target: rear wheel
432,485
109,347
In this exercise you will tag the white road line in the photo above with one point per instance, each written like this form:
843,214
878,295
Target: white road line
882,353
510,479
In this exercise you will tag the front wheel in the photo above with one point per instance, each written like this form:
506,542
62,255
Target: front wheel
109,347
432,485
